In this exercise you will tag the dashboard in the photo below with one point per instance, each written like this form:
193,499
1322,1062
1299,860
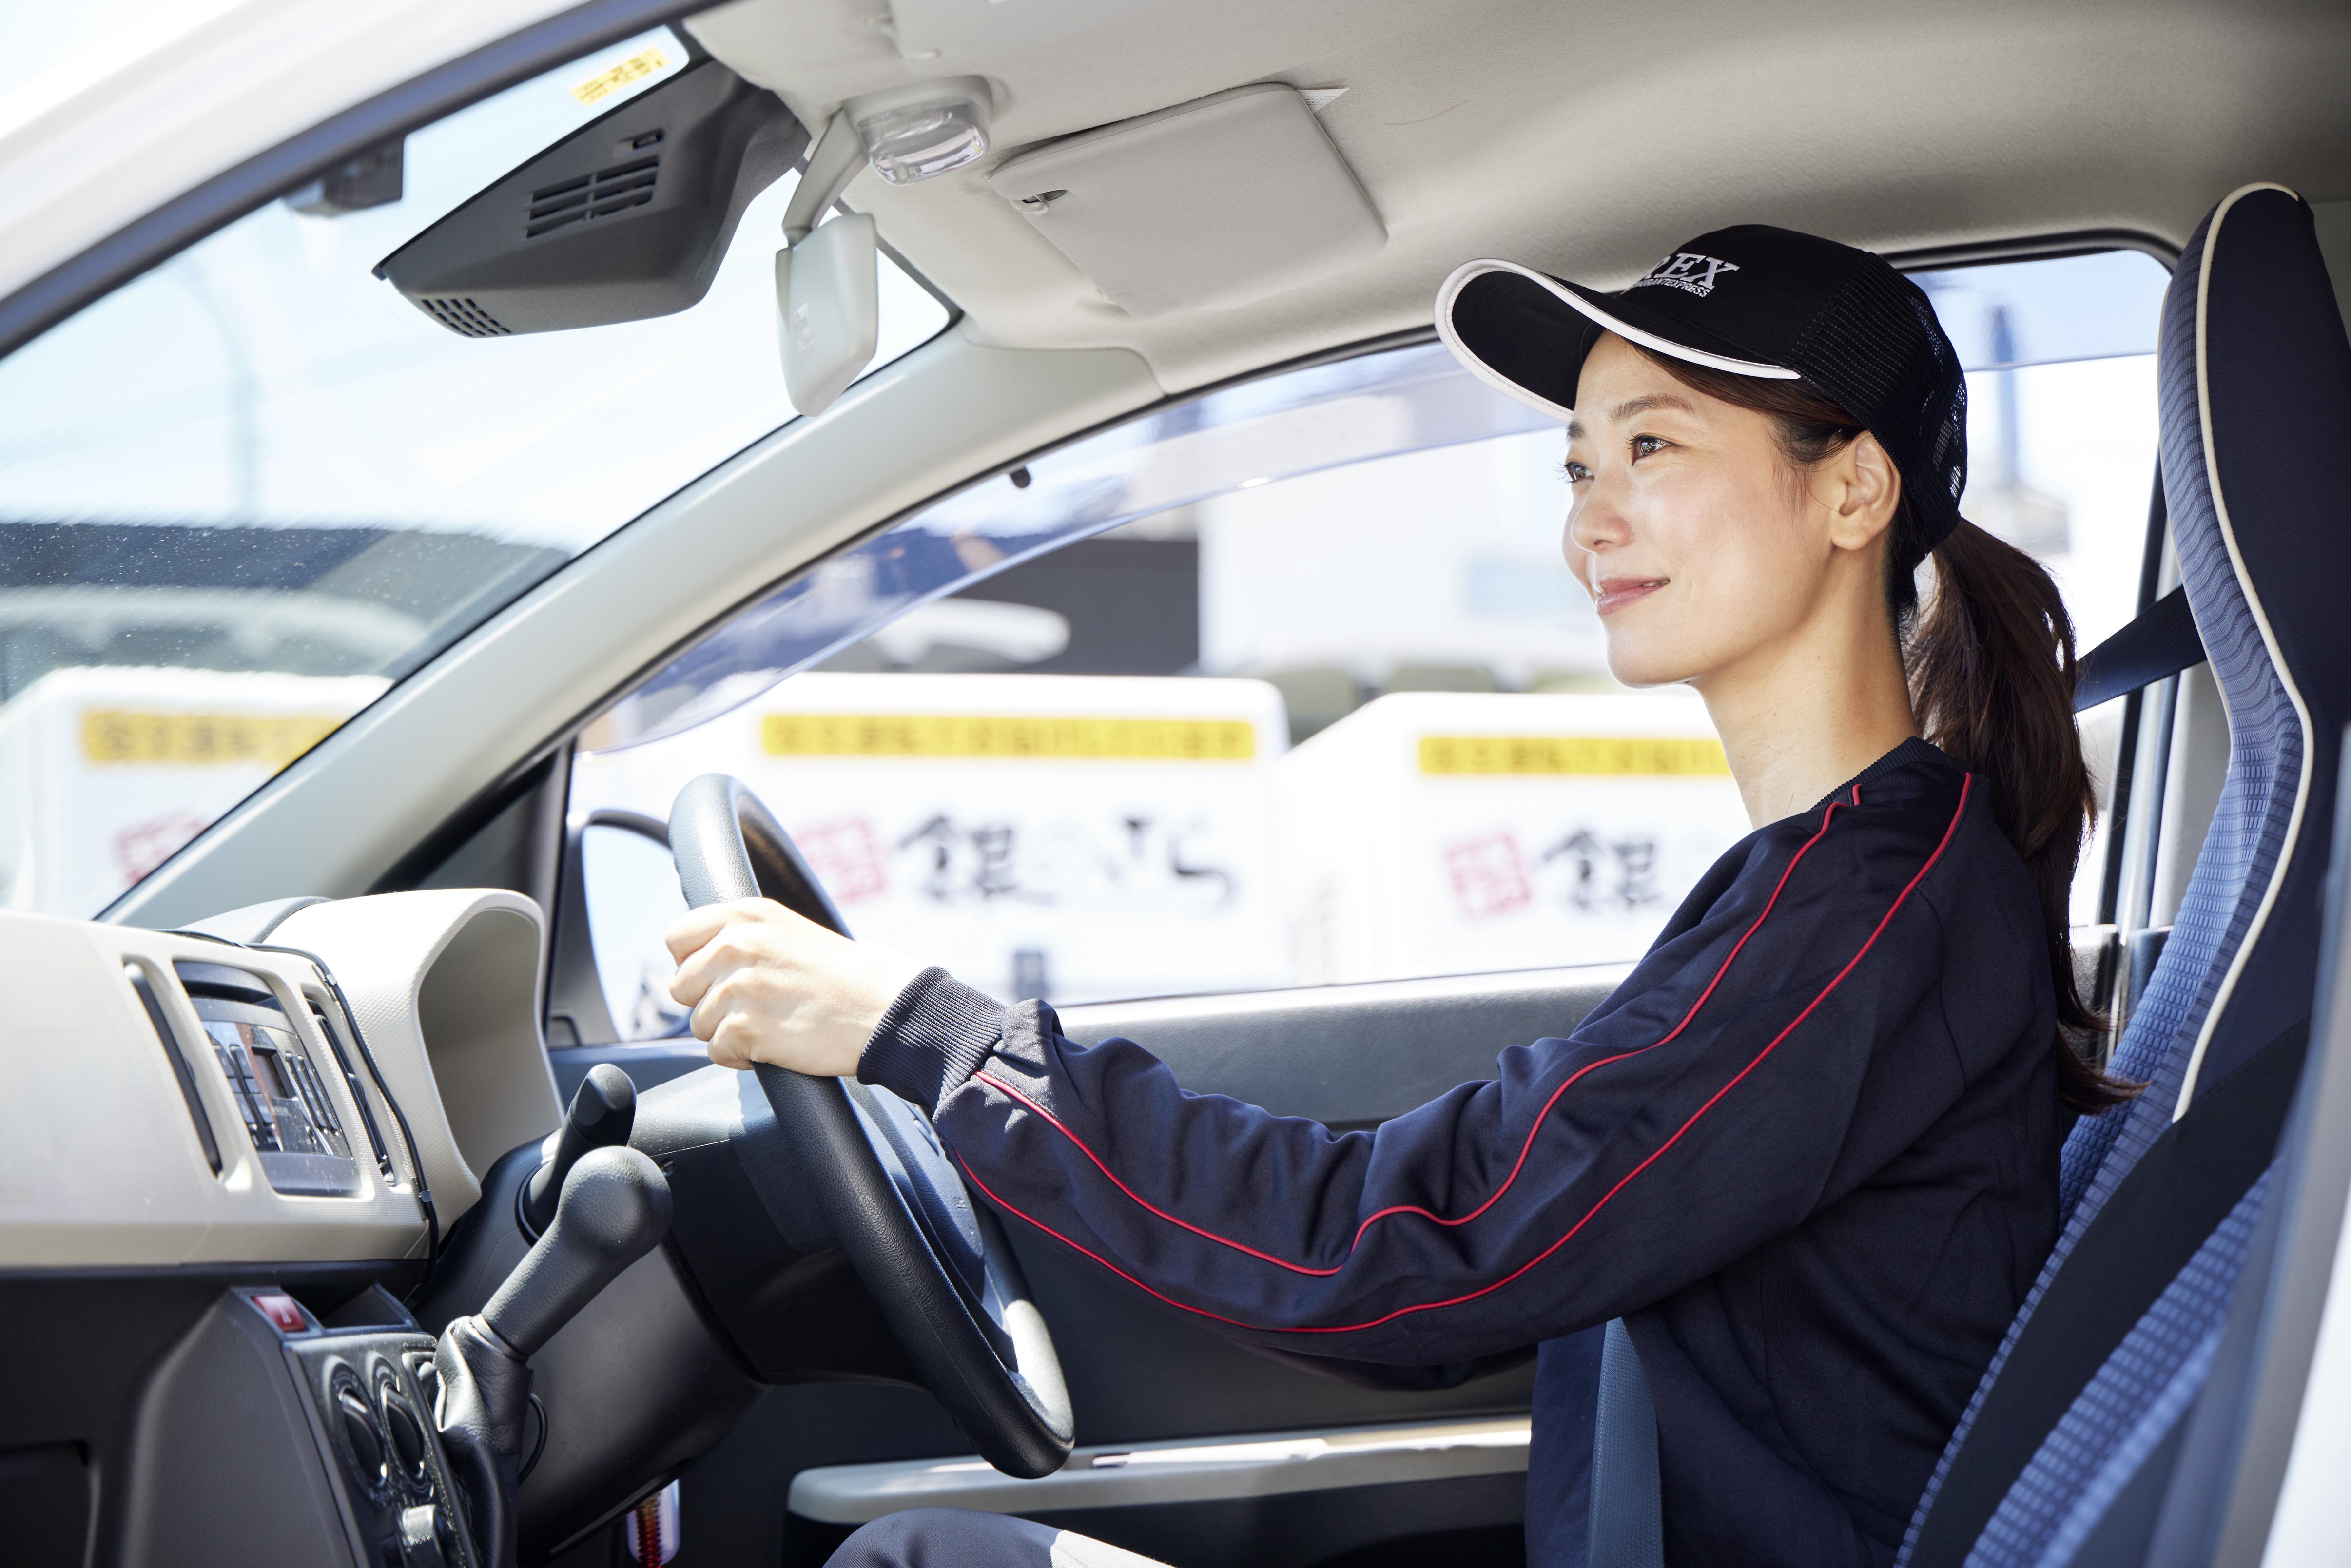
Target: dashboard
226,1155
330,1092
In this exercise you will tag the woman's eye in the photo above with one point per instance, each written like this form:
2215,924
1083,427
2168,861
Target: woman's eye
1576,471
1646,446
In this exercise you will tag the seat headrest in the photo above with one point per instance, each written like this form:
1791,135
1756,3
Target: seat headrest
2255,375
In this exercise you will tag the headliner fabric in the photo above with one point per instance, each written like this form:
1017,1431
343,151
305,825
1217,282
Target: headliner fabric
2274,371
1483,128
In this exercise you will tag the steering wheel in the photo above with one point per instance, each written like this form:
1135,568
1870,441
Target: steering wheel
937,1263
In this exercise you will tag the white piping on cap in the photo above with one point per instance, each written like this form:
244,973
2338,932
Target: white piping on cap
1478,367
2269,641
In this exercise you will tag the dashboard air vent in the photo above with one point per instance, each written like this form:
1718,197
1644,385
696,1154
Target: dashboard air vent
463,317
608,191
351,1080
179,1069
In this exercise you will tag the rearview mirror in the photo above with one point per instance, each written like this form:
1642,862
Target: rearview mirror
827,297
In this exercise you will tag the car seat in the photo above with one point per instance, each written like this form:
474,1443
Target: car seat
2065,1451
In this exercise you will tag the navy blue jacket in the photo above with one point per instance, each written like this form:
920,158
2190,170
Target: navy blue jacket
1808,1151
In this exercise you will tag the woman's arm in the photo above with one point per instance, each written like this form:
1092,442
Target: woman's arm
1699,1112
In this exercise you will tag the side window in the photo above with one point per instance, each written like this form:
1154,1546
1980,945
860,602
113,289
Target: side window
2061,444
1290,684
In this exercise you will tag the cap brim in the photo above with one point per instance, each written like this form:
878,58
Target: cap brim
1514,335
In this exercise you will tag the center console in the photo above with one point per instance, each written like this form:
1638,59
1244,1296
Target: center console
299,1441
368,1393
281,1095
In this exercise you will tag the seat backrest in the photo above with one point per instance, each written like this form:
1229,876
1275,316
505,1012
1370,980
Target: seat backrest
2109,1443
2255,404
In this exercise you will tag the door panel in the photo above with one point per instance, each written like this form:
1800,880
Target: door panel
1349,1056
1139,1371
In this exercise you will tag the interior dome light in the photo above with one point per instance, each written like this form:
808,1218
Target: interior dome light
913,133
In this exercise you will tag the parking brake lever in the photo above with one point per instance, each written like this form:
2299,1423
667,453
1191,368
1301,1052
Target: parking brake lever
603,1110
613,1208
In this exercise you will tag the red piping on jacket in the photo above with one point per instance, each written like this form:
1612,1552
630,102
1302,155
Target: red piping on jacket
1900,898
1524,1149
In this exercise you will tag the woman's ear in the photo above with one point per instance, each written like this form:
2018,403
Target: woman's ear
1863,489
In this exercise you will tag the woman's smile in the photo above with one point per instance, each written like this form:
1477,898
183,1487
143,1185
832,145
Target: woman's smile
1613,594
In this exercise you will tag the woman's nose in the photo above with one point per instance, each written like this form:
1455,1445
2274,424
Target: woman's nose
1596,523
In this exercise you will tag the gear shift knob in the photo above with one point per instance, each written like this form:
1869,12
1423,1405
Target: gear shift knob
613,1210
602,1112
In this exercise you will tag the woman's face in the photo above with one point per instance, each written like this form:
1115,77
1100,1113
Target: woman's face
1698,544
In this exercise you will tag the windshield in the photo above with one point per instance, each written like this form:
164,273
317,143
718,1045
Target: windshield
249,491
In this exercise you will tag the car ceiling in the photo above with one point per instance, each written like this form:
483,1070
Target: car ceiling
1588,139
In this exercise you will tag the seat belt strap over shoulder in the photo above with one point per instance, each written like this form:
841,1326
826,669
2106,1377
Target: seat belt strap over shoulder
2162,641
1628,1525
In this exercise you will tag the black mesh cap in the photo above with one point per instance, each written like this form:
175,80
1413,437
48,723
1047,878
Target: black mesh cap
1753,300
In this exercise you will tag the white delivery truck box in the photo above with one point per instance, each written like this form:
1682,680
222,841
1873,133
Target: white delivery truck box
1077,837
105,770
1445,832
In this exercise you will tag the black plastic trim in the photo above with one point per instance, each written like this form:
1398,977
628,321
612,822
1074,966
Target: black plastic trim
149,241
2124,799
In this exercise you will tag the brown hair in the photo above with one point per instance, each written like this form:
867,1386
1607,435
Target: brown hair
1989,659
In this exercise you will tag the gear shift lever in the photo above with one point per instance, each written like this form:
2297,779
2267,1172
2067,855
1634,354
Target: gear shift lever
614,1207
603,1110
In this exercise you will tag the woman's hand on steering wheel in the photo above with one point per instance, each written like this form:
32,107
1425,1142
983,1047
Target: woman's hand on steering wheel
767,985
799,1001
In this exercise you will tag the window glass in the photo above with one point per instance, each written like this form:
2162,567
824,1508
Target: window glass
1289,683
638,998
2062,447
246,492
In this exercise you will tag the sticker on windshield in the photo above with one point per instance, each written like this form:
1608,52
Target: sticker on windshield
117,735
635,69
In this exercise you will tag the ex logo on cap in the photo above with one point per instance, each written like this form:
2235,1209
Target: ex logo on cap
1688,271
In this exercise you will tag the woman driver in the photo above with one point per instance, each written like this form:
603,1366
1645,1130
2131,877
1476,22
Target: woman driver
1808,1151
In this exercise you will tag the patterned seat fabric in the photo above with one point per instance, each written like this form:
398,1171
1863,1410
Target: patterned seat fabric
2255,397
2129,1407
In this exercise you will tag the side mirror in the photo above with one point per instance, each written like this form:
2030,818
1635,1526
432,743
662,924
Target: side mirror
827,297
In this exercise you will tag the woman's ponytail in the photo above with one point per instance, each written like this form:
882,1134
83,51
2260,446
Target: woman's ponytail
1991,667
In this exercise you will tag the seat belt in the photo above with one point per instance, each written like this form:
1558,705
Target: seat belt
2162,642
1628,1520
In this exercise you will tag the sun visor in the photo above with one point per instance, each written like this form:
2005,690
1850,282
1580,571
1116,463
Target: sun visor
1210,204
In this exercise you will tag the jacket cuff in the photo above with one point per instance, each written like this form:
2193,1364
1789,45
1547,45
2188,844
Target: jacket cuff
933,1038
